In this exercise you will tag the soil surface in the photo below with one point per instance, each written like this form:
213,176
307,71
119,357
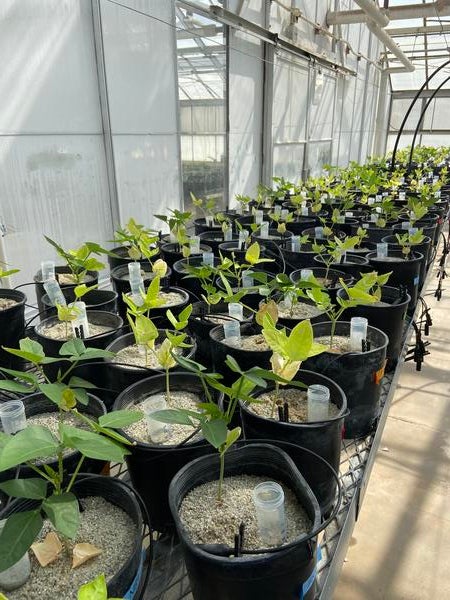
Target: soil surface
341,343
175,434
211,522
255,343
297,401
57,331
299,310
7,303
51,421
101,524
134,355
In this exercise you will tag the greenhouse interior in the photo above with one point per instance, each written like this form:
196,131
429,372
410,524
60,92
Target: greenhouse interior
223,250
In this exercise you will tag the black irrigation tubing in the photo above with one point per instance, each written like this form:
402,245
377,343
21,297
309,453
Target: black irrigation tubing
24,285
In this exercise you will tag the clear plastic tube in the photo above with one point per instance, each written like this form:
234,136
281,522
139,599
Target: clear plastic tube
236,310
258,217
268,498
12,416
80,325
358,333
47,270
158,432
318,402
194,244
54,292
264,230
305,274
232,329
382,249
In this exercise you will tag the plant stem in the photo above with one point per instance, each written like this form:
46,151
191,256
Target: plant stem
167,385
75,473
221,475
40,473
274,403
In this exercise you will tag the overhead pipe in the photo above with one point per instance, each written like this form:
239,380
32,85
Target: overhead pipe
411,106
393,47
441,8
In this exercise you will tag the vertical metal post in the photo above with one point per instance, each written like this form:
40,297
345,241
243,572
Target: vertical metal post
178,107
381,128
105,113
267,137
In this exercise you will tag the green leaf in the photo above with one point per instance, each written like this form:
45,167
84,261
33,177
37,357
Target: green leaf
33,442
232,437
92,444
81,383
29,350
252,254
81,396
92,353
300,341
19,532
120,418
94,590
33,488
74,347
215,432
29,377
63,511
53,391
13,386
232,364
177,416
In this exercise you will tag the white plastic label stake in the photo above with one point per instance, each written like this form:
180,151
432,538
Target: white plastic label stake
47,270
258,217
264,230
318,233
437,194
304,193
318,402
284,214
382,250
340,219
54,292
80,325
412,230
238,209
365,225
158,432
194,244
373,218
289,299
348,213
236,310
208,259
406,225
370,201
247,279
305,211
358,332
295,243
277,210
305,274
402,195
228,235
243,235
378,198
232,329
136,282
209,220
378,209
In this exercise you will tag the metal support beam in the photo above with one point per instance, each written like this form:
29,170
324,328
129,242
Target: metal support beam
441,8
391,45
428,30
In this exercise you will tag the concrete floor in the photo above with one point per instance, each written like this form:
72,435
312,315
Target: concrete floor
400,549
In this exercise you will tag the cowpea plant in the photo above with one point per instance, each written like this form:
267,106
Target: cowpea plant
36,446
80,260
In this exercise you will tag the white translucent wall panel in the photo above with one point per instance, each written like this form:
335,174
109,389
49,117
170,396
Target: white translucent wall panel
345,140
290,113
52,166
322,105
140,62
405,140
399,108
434,139
319,154
337,121
245,97
252,10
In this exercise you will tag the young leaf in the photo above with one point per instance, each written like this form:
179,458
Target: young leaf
63,512
215,432
74,347
176,416
33,488
252,254
33,442
94,590
19,532
232,437
92,444
120,418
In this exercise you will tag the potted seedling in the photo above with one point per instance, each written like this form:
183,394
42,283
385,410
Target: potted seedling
337,254
218,490
12,317
354,360
290,302
46,514
307,409
137,243
208,208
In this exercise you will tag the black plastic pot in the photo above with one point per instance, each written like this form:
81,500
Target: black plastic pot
246,220
90,279
353,264
38,404
105,300
323,438
52,346
289,322
121,282
214,239
334,276
120,376
405,272
123,258
199,327
200,226
152,467
128,576
374,234
252,298
298,226
359,374
429,229
245,358
275,239
423,248
171,253
390,319
303,259
285,573
12,327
